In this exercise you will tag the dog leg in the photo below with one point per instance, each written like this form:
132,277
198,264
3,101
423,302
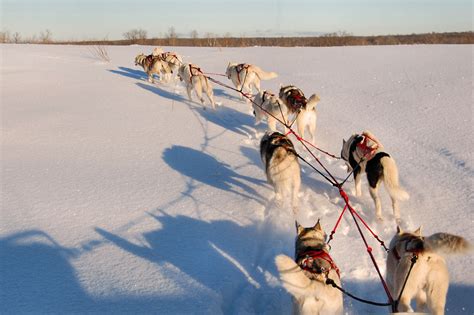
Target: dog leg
271,123
396,210
189,90
210,96
357,177
375,196
421,301
436,297
300,125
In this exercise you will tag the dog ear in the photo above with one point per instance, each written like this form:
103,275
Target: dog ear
317,226
299,228
399,230
359,138
418,231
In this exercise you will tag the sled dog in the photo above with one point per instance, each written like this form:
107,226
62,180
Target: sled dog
367,152
152,65
267,105
281,167
305,277
304,109
173,60
244,76
428,281
193,78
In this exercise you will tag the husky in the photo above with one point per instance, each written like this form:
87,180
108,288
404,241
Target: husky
304,109
281,167
428,281
268,105
152,65
365,153
173,60
194,79
305,277
244,76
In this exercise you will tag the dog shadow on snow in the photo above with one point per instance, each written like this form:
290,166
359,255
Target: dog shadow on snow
38,277
206,169
130,73
217,254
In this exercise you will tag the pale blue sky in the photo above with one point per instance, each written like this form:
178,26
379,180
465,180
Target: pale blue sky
97,19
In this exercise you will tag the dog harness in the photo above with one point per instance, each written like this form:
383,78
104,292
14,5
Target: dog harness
295,98
239,68
308,258
368,151
191,68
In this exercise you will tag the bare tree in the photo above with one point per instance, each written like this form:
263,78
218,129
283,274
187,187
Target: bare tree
171,36
46,37
135,34
5,36
99,52
194,34
16,37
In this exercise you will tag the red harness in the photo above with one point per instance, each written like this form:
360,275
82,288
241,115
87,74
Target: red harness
368,152
309,257
239,68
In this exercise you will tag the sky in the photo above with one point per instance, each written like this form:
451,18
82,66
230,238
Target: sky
109,19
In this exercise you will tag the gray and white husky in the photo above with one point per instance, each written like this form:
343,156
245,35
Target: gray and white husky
194,79
304,109
429,279
305,277
152,65
281,167
244,76
366,152
267,105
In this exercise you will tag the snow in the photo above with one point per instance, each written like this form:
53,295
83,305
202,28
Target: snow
120,196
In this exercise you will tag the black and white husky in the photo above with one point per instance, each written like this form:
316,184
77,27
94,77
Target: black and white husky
281,167
428,281
304,109
305,277
267,105
364,153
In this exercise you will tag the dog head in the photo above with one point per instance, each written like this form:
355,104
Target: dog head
309,240
230,65
404,243
347,147
181,70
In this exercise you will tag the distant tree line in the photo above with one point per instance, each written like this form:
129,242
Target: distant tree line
171,38
44,37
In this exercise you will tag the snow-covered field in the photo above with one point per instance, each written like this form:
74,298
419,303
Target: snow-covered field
120,196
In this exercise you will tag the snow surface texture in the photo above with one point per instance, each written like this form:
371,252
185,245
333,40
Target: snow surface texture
120,196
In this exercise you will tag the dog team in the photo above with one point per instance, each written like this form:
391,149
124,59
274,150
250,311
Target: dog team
305,276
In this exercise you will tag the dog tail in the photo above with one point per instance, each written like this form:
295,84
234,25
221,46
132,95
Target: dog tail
390,175
448,243
313,100
292,276
263,75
